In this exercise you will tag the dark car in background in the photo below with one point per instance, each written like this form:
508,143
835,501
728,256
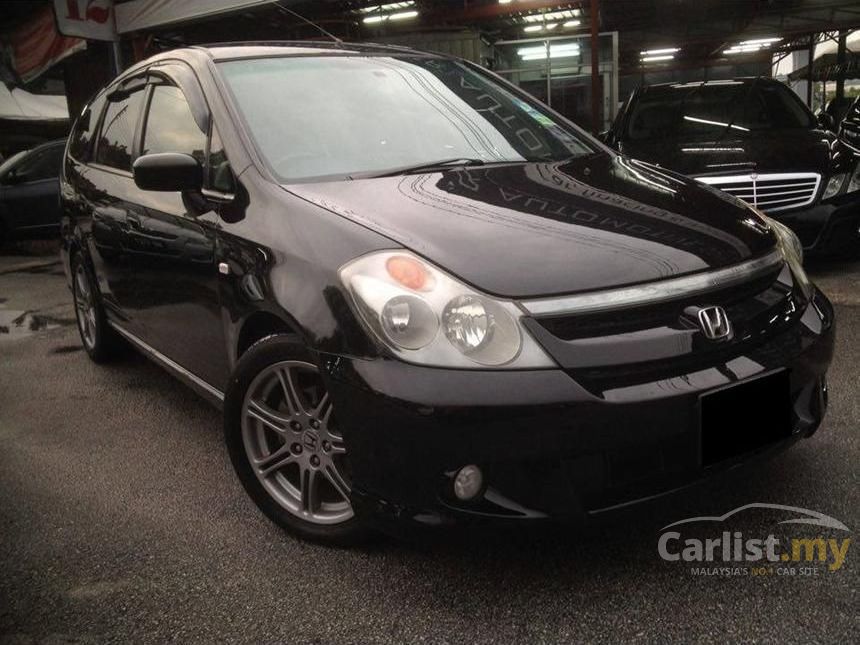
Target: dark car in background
755,139
29,193
419,294
849,128
834,112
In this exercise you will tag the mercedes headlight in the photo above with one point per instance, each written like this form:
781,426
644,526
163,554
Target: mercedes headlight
792,251
834,185
854,184
425,316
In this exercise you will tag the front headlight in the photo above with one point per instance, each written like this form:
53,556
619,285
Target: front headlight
792,251
425,316
854,184
834,185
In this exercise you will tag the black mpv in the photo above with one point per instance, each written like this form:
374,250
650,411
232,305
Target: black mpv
419,294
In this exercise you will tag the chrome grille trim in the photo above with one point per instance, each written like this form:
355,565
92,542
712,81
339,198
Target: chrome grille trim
758,189
653,292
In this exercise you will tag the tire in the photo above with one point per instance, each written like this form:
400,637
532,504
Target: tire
100,341
282,437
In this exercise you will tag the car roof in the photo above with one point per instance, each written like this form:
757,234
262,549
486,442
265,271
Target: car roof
258,49
262,49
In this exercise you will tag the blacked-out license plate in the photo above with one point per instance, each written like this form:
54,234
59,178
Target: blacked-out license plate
744,417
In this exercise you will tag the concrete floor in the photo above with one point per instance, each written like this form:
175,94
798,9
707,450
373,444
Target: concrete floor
120,520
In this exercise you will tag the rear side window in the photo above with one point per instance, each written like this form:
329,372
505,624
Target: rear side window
81,144
170,126
117,133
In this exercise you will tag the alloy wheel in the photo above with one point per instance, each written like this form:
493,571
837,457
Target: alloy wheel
293,445
85,309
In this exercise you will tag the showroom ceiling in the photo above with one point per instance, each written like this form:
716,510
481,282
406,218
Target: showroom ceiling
701,31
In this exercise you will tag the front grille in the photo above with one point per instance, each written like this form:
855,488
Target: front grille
770,192
613,349
572,327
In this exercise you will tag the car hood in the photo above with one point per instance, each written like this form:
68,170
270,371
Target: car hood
527,230
761,152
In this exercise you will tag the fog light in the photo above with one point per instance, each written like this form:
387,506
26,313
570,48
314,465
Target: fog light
468,482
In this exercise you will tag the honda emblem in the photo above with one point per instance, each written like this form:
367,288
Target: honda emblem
714,323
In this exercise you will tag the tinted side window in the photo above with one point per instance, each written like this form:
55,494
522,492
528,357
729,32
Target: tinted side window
117,133
170,126
83,135
44,164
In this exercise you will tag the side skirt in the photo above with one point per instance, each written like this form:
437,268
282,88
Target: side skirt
204,389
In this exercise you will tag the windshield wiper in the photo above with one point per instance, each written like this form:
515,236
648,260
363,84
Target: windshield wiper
423,167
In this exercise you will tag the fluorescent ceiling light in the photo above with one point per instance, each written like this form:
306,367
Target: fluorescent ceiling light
654,59
552,15
400,15
403,15
754,45
743,50
667,50
541,49
551,55
529,29
565,50
761,41
391,6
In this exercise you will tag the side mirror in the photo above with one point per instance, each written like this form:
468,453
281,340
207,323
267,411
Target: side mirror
168,172
827,121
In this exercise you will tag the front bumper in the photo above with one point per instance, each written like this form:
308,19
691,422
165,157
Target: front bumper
548,446
830,228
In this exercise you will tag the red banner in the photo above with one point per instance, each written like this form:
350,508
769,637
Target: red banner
90,19
37,45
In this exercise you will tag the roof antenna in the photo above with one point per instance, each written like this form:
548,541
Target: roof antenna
311,23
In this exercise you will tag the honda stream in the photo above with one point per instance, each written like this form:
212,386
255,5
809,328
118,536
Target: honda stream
419,294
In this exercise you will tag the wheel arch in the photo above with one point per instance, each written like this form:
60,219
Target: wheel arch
72,247
259,325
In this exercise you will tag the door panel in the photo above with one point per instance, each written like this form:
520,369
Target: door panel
175,284
33,205
172,253
110,197
32,202
109,191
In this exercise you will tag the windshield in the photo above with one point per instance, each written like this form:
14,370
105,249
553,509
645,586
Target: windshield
343,116
730,108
